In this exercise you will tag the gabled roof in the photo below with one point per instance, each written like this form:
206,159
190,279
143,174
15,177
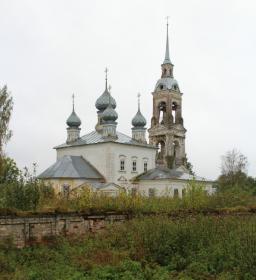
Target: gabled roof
164,173
95,137
75,167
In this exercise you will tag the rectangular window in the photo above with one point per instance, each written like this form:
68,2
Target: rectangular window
134,165
65,190
122,165
176,193
183,192
145,166
134,192
151,192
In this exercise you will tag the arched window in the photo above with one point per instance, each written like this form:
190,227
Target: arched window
134,164
174,109
145,164
160,151
162,111
122,160
176,149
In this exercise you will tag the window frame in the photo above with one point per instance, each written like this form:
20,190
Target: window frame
151,192
134,165
122,158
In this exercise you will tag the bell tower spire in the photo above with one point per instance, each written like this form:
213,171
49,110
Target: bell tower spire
167,66
167,131
167,51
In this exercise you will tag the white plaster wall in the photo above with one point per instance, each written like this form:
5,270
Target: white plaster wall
165,187
97,155
57,184
105,157
130,153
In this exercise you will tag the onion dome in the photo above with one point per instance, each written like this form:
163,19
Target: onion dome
73,120
109,114
139,120
103,101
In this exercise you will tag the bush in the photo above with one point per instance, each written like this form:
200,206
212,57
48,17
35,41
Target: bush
144,248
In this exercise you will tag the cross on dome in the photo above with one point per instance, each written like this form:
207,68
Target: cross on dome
138,100
73,101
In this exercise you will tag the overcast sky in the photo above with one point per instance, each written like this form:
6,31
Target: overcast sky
52,48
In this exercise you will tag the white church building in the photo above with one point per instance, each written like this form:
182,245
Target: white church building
109,161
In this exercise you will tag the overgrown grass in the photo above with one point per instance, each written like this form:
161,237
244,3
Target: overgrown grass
143,248
195,200
43,200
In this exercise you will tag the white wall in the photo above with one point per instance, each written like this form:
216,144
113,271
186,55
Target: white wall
105,157
166,187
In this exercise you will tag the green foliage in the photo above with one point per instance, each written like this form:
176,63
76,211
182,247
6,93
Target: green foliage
21,190
233,174
237,182
10,173
156,248
6,106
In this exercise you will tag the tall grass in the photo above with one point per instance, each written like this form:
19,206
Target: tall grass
144,248
196,199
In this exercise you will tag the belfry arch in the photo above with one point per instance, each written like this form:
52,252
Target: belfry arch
161,112
161,150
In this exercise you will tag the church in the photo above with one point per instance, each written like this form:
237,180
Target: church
109,161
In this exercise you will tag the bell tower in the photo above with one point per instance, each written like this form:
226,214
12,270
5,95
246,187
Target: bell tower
167,131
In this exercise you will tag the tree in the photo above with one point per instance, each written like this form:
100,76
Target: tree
233,162
10,172
234,173
189,166
6,106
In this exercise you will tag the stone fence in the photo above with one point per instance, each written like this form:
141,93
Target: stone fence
32,229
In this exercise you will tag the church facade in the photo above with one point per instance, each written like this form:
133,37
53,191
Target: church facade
110,161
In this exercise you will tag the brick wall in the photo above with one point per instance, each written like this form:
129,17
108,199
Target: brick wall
24,230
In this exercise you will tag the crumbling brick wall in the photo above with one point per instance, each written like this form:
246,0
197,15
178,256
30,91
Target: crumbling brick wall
23,230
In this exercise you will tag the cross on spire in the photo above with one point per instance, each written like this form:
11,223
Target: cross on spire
139,95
